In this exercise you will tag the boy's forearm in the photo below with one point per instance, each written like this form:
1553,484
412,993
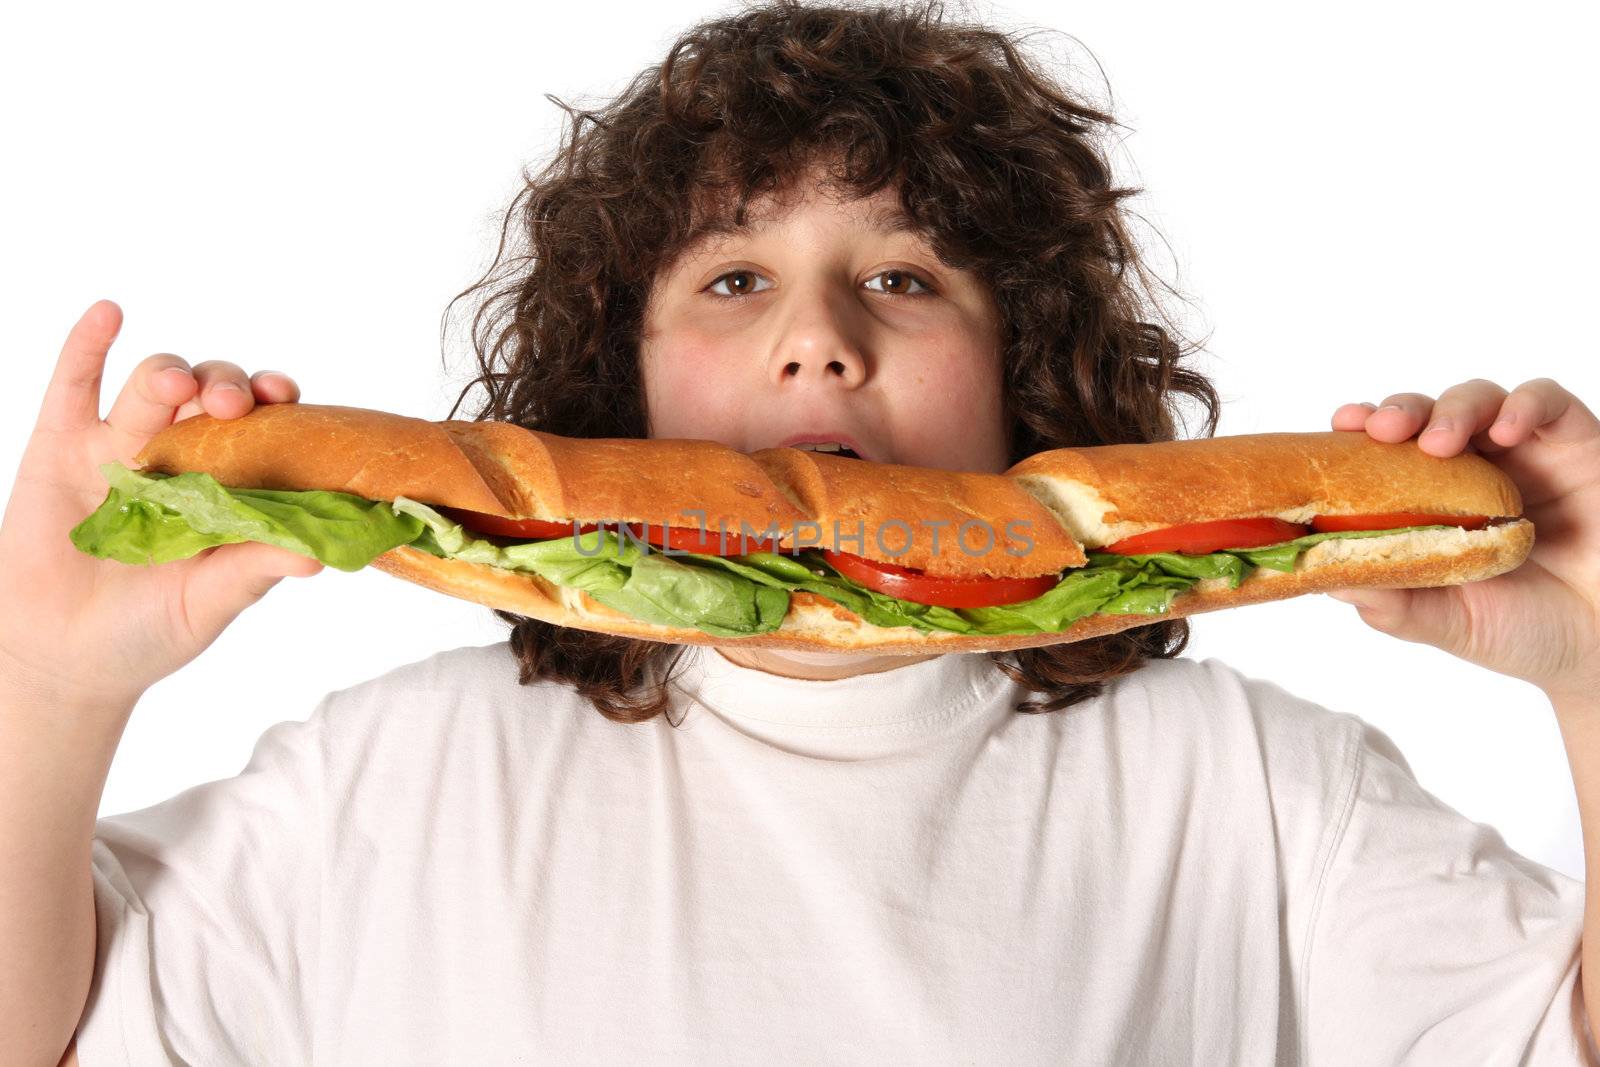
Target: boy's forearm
54,758
1579,719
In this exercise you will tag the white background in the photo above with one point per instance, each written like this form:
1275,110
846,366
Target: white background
1360,200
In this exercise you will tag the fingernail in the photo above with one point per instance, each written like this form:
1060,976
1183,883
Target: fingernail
1391,407
228,385
1507,418
1440,425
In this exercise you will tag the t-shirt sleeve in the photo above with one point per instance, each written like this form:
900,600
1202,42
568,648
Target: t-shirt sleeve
207,907
1432,941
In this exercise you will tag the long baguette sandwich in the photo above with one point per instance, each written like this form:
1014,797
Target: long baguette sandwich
691,541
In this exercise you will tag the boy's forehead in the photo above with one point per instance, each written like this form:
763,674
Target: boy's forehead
879,214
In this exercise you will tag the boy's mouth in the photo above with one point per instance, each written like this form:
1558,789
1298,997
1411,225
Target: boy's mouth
833,449
828,442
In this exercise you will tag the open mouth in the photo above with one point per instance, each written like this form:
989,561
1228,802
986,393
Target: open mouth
830,450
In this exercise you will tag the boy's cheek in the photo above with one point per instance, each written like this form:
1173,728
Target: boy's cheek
947,380
948,414
689,392
957,445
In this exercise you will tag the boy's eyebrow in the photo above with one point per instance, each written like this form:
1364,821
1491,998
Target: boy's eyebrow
892,219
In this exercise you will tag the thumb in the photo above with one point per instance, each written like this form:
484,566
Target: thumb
1431,616
233,577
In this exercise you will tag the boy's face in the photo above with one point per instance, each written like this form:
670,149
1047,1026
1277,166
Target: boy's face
822,319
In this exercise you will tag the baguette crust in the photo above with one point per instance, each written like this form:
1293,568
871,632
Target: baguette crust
1408,560
492,467
321,446
1106,492
1088,495
976,512
657,481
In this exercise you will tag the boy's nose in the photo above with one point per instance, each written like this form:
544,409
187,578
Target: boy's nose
820,341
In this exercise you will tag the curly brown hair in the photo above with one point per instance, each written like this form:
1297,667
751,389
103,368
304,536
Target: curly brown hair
1001,167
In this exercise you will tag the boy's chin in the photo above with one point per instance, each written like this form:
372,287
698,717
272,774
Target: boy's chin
818,659
816,665
824,658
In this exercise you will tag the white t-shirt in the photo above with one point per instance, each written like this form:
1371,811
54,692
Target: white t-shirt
441,866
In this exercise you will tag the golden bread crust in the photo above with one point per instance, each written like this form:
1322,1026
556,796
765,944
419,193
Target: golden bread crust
847,492
623,479
373,454
1333,472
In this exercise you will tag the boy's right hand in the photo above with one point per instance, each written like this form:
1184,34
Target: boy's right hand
77,628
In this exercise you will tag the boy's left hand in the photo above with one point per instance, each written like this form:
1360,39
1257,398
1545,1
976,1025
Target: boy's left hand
1541,621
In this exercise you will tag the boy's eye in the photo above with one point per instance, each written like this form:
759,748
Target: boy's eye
740,283
892,282
898,283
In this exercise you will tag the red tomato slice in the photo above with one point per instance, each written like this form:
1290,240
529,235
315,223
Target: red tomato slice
1199,538
531,529
1392,519
914,585
690,539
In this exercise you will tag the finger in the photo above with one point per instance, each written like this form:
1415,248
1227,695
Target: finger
1368,598
1461,411
274,387
72,399
231,578
1431,616
1353,416
1398,417
1482,442
1544,407
225,391
149,397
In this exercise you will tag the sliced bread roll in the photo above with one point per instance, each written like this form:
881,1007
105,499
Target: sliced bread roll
1105,493
1073,499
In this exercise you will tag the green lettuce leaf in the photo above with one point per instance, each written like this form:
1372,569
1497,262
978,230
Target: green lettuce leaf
153,518
651,587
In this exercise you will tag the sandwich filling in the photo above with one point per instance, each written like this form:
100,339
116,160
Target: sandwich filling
156,518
